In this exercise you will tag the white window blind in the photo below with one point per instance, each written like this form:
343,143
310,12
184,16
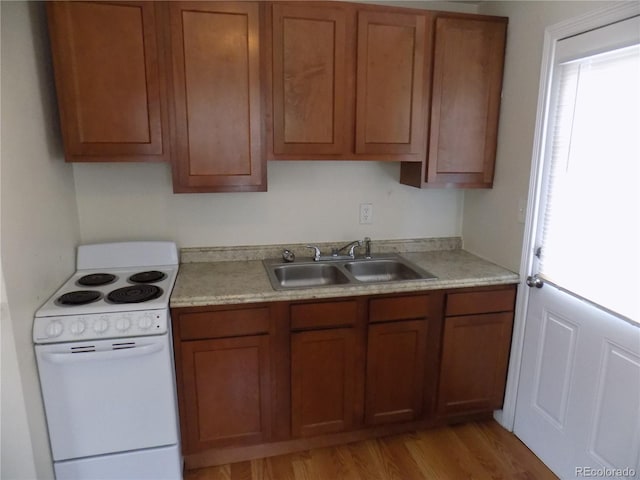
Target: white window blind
591,227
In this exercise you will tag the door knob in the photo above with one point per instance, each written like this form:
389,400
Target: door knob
534,281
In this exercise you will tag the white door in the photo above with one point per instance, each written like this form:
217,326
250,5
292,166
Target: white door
578,403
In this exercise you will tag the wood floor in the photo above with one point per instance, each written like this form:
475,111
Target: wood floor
479,450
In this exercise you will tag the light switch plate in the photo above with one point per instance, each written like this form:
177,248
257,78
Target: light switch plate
522,210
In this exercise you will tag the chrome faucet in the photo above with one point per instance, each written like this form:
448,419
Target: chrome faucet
316,252
335,252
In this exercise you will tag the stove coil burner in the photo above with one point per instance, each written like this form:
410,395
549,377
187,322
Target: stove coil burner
96,279
79,297
151,276
134,294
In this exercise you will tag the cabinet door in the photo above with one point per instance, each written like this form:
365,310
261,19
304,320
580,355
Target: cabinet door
110,93
322,381
390,83
310,61
226,391
396,359
467,84
216,93
475,354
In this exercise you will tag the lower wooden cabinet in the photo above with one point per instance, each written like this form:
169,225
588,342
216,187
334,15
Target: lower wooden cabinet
224,375
226,391
396,356
322,381
475,351
278,374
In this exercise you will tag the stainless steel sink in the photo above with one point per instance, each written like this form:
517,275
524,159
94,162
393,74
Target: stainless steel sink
387,269
306,275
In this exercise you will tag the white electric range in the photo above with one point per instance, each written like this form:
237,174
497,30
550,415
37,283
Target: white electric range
105,359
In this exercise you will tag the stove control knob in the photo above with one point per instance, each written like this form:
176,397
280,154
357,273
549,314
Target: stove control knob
54,329
146,321
123,323
78,327
101,324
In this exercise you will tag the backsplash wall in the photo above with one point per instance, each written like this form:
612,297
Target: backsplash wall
309,201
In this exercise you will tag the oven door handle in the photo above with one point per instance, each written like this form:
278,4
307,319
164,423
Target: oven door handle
115,354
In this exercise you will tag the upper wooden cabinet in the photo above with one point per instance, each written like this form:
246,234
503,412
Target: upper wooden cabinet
311,58
348,82
468,59
217,112
109,79
220,87
390,83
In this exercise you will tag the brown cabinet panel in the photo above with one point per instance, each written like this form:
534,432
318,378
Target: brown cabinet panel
224,323
310,61
108,78
396,358
390,83
226,390
481,302
398,308
467,83
322,381
475,354
323,315
216,91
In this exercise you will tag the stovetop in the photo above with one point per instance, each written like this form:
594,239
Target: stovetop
119,290
119,295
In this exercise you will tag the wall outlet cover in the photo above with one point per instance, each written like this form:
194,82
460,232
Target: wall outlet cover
366,213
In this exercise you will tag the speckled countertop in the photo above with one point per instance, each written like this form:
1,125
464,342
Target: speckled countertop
245,281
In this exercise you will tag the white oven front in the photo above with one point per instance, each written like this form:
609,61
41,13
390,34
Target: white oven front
111,401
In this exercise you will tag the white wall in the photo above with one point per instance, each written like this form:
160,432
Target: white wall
16,457
306,202
490,226
39,229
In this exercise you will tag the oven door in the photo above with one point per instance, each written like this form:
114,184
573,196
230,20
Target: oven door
108,396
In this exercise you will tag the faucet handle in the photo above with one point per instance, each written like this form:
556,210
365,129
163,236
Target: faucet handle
356,244
288,255
316,252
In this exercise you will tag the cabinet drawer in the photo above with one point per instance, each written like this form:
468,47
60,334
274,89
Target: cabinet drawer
398,308
224,323
481,302
321,315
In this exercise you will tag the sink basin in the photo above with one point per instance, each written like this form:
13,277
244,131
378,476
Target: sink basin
308,275
390,270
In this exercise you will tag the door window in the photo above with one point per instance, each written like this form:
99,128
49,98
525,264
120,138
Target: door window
591,210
